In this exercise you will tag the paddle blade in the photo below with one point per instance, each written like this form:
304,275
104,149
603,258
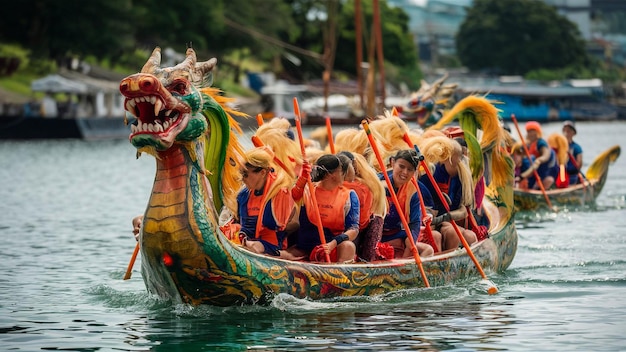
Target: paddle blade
562,181
490,286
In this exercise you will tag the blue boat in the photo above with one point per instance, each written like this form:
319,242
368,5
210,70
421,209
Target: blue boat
546,103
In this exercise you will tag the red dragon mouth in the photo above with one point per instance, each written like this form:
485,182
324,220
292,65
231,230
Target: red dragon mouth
157,110
152,114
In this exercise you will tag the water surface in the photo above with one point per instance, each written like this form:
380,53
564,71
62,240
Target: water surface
65,212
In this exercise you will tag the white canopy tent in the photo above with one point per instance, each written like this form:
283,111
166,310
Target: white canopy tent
58,84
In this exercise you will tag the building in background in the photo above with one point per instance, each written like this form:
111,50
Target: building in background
434,24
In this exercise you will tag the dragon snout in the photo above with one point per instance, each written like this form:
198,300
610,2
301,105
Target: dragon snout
139,84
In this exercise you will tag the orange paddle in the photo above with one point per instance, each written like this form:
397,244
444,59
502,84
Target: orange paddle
318,219
543,190
394,198
129,270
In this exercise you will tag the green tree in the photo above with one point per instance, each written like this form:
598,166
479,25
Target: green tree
398,45
177,23
56,29
517,36
398,42
256,24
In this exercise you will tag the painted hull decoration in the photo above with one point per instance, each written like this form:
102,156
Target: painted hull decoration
574,196
186,258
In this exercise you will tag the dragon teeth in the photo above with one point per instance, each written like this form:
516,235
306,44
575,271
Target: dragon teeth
157,106
130,105
150,127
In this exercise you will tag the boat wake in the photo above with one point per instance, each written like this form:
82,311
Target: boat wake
460,291
112,297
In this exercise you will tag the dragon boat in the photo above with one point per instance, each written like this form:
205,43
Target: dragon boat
580,194
428,104
190,130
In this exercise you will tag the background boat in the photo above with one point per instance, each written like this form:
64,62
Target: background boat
572,100
344,107
92,108
576,195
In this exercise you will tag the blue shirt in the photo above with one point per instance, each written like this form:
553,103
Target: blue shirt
575,150
248,222
455,188
392,219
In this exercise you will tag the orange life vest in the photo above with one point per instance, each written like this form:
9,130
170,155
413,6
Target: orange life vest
365,202
532,149
404,194
254,209
282,206
331,205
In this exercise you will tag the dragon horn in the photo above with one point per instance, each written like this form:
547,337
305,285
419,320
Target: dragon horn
202,74
153,62
206,66
191,58
189,63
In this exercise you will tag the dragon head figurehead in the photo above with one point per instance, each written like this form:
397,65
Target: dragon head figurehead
176,106
429,102
166,101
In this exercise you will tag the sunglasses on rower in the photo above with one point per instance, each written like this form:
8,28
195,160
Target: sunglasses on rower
245,172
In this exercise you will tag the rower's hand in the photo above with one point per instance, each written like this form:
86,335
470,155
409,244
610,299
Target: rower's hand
329,246
427,220
306,170
137,220
441,218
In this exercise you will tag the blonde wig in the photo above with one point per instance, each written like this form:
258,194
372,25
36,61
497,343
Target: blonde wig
275,134
263,157
442,149
352,140
366,175
559,143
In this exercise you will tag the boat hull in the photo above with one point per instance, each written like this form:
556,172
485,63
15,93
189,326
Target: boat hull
239,276
578,195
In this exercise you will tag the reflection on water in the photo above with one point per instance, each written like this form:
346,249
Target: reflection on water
292,324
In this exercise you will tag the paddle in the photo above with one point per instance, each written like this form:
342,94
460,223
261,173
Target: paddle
581,176
258,143
492,287
316,211
394,198
543,190
469,212
129,270
329,131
